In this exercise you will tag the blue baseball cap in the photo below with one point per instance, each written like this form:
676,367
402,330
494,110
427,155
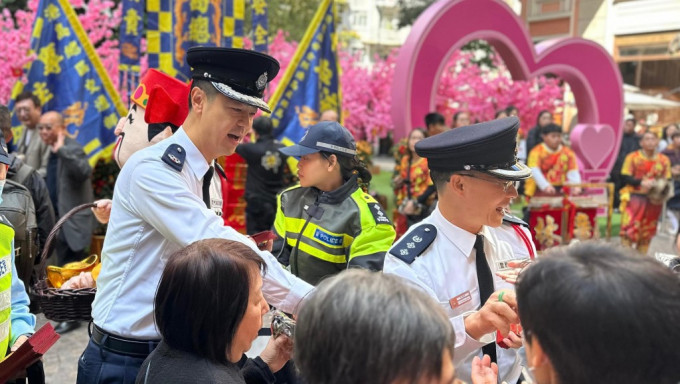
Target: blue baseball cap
326,136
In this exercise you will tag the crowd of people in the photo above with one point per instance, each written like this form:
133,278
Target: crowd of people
454,292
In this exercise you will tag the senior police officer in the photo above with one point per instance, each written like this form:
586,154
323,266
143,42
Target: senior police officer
160,205
455,253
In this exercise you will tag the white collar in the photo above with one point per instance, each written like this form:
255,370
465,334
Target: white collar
462,239
194,157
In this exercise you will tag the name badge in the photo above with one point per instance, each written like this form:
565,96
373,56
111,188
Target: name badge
216,205
502,265
460,300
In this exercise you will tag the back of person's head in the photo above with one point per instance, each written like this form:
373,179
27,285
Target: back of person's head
434,118
602,314
364,327
203,295
262,125
5,121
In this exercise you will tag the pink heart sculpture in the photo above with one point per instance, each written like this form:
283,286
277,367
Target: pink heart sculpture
596,141
590,71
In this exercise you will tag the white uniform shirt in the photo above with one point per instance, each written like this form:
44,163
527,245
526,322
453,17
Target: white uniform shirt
446,270
157,211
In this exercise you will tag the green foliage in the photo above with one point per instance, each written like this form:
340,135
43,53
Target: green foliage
409,10
292,16
13,5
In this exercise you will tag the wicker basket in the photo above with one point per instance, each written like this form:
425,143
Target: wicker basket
63,304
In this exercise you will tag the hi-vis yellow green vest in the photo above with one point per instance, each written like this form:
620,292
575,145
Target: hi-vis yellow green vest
6,232
326,232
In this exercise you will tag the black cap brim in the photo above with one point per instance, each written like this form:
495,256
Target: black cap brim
240,97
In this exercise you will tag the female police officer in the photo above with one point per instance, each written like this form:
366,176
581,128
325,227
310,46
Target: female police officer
328,222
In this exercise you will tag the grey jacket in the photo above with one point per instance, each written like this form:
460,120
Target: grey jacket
35,152
74,187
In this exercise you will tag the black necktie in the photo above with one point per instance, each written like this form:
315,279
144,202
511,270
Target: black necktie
485,282
206,186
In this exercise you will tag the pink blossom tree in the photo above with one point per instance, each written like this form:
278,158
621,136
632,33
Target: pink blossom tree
482,90
99,19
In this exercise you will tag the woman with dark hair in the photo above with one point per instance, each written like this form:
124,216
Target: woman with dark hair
460,119
534,136
208,309
666,141
328,222
595,313
413,187
361,327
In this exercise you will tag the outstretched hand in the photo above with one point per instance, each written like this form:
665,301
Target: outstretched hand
484,371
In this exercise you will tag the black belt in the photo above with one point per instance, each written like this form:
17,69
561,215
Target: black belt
123,346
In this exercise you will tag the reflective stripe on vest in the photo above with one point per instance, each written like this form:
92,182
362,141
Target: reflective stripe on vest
6,236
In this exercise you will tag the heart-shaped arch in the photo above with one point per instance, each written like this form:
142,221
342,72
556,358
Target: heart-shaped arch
590,71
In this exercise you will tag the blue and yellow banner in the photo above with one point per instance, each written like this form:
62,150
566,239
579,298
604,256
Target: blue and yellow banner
260,26
130,44
234,15
67,76
311,83
176,25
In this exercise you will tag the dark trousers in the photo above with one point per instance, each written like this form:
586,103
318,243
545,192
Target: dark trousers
260,214
66,254
615,178
99,366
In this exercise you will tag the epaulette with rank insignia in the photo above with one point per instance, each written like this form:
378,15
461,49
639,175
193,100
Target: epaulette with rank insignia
174,157
509,219
377,211
414,243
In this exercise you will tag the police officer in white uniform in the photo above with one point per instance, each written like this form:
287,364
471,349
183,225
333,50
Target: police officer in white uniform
455,253
160,205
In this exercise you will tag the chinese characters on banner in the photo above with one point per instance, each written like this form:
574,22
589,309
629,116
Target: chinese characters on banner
260,26
176,25
131,32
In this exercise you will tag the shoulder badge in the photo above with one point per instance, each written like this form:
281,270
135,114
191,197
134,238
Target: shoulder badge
377,211
414,243
174,157
510,220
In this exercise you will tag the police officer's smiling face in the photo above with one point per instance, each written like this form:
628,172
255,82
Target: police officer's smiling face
487,198
227,122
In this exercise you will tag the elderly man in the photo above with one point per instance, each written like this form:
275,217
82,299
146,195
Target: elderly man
69,184
160,205
30,148
454,254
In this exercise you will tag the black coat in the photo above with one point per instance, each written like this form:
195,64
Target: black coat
167,365
629,143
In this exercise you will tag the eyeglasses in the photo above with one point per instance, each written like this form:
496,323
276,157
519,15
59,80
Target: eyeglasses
503,184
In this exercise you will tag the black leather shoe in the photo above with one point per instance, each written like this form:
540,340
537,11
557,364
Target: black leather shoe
66,326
